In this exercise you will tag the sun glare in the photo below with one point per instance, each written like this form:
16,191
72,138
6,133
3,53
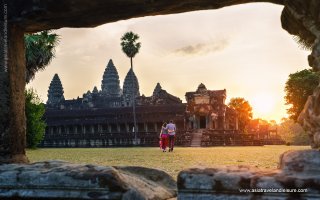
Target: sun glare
262,104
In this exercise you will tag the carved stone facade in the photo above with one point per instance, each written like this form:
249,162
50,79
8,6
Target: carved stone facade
206,109
104,118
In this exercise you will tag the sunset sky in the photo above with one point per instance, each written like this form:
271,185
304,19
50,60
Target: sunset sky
242,49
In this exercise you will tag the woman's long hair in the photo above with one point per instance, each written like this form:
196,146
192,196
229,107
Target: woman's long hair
164,124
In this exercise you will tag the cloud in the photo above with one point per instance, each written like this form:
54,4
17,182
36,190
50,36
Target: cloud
203,48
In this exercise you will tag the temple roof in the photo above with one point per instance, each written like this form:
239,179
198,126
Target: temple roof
203,90
160,95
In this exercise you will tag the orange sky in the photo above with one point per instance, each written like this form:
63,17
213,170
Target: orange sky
241,48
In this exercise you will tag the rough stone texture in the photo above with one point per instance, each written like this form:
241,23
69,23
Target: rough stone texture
36,15
310,118
59,179
302,19
16,115
297,170
301,162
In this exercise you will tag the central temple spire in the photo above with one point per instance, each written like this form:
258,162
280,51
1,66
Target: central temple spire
55,92
110,85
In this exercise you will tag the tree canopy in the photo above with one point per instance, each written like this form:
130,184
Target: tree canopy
298,88
40,50
130,45
35,122
292,132
244,111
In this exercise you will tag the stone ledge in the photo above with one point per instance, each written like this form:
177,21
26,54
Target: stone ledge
298,170
63,180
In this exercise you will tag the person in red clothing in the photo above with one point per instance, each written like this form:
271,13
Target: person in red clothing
164,137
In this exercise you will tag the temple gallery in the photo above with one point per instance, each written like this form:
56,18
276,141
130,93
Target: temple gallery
102,118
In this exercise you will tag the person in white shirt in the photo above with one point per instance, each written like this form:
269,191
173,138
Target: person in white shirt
171,128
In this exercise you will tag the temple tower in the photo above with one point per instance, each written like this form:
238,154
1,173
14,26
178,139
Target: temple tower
95,92
55,92
156,90
130,82
110,85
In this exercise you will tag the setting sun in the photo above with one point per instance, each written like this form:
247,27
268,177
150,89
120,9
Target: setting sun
262,104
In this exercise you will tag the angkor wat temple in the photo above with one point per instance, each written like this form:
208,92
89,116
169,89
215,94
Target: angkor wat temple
104,117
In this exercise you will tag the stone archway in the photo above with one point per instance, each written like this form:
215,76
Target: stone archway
299,17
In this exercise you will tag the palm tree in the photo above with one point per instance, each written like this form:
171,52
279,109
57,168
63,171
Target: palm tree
40,50
131,47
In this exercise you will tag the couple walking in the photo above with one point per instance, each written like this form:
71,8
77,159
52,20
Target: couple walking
167,134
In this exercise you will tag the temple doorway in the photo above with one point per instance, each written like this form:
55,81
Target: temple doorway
203,122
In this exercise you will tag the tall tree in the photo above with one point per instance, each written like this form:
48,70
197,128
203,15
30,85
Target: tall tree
130,46
34,114
298,88
40,50
244,111
292,132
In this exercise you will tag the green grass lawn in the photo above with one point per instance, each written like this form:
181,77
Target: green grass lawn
172,163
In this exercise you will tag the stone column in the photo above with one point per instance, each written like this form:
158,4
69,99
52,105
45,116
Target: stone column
12,86
118,128
220,123
91,128
109,128
207,121
127,127
155,126
99,128
196,122
146,127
